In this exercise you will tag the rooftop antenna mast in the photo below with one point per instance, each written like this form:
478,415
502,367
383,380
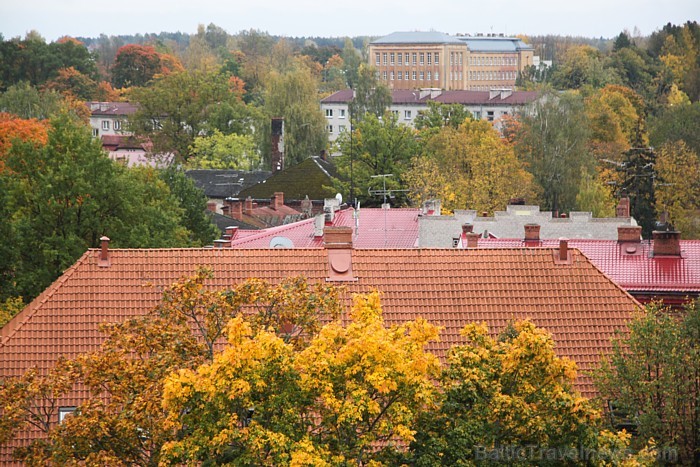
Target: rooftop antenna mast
384,192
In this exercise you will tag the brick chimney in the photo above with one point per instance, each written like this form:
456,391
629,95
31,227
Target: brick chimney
338,244
248,206
632,233
563,249
472,239
231,231
666,243
233,207
103,260
467,227
277,200
532,232
623,208
277,143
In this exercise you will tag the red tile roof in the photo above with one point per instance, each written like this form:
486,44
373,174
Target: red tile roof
637,271
580,306
377,228
116,109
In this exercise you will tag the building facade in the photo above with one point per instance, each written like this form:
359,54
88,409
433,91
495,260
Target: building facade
412,60
488,105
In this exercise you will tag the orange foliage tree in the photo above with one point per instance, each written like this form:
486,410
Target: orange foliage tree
13,129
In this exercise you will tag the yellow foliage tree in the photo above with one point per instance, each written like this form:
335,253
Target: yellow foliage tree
469,167
514,392
261,403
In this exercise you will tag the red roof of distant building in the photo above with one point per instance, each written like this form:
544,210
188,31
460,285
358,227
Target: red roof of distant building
631,264
376,228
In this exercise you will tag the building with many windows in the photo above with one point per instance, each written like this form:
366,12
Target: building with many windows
490,105
413,60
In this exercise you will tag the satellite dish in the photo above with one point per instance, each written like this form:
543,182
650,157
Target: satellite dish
281,242
339,197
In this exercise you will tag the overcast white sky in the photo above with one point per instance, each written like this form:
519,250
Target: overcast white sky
592,18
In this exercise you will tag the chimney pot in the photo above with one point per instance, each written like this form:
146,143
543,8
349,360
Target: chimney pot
467,227
231,231
211,206
562,215
532,232
484,214
632,233
277,200
666,243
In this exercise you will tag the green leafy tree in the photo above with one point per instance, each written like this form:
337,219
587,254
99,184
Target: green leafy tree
678,194
375,147
352,61
27,102
594,196
293,95
191,199
552,139
370,96
652,375
71,192
439,115
676,123
583,66
639,180
509,391
220,151
178,107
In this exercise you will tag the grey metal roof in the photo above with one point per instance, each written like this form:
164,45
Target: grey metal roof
494,44
417,37
438,231
221,184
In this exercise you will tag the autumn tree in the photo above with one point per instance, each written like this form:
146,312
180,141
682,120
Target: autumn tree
583,66
261,403
375,147
677,193
179,107
652,375
122,421
479,169
71,81
293,95
512,390
136,65
552,140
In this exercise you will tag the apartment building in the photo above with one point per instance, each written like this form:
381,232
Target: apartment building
490,105
413,60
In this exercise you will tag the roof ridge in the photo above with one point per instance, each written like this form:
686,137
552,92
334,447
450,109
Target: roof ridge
12,326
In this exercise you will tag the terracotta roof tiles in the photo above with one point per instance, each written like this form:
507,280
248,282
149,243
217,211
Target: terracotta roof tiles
580,306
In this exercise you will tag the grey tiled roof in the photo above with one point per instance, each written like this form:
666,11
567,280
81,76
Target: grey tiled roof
417,37
438,231
403,96
221,184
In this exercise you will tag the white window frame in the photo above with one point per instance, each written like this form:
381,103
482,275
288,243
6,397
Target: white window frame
406,114
63,412
105,125
342,113
329,113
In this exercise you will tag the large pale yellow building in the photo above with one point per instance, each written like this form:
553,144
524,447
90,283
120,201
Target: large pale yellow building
412,60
